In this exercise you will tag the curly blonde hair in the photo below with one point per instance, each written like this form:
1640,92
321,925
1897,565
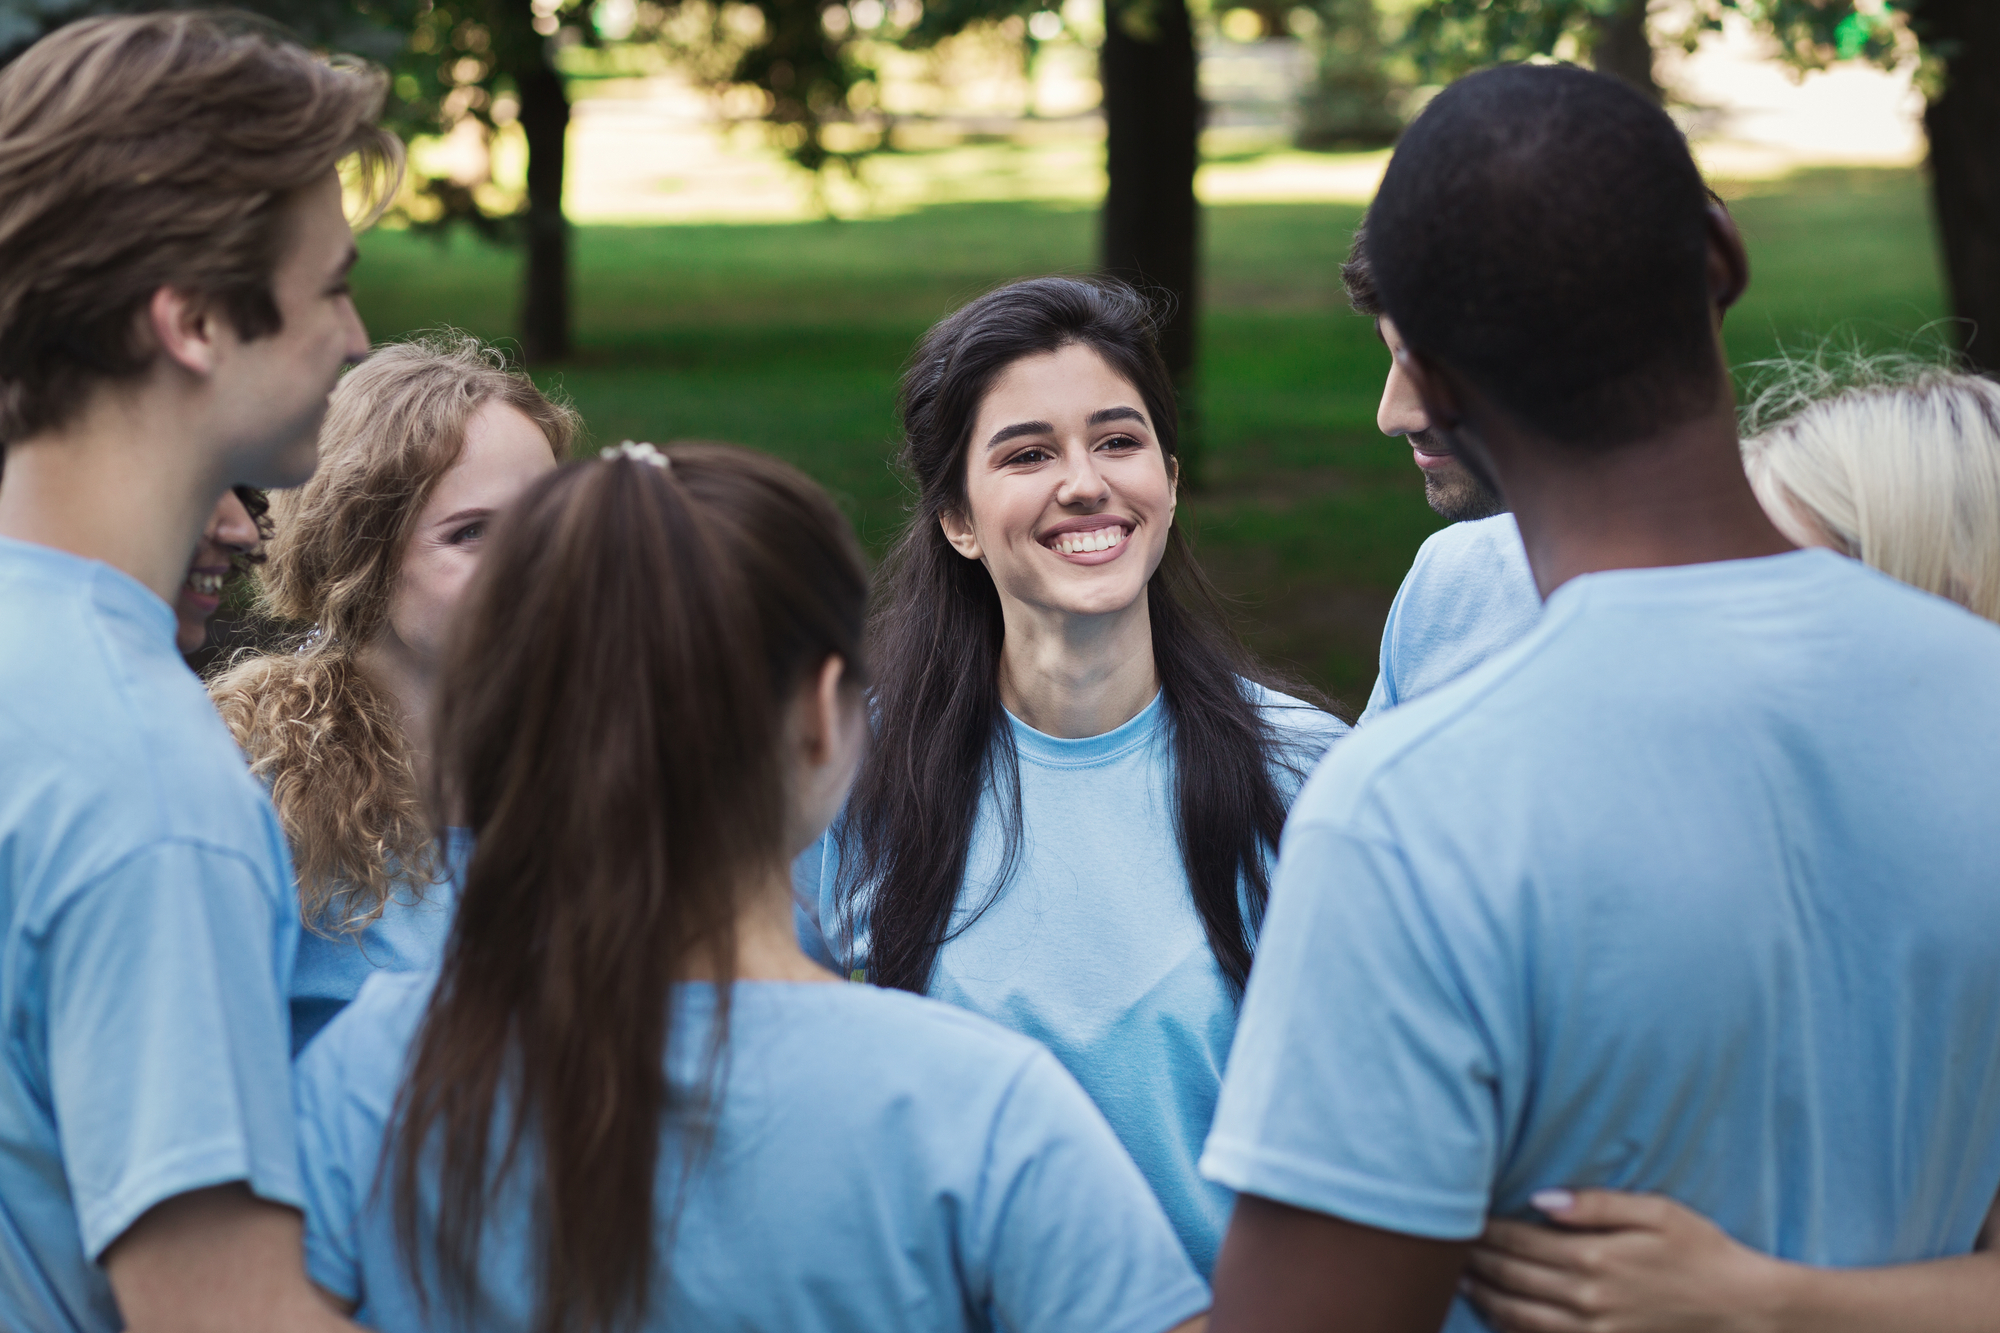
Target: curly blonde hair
326,740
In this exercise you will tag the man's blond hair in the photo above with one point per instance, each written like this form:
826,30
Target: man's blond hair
157,150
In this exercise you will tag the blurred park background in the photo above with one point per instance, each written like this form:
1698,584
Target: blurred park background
731,221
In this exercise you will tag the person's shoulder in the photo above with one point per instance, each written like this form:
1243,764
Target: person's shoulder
1297,723
1476,543
912,1037
360,1052
123,747
1476,719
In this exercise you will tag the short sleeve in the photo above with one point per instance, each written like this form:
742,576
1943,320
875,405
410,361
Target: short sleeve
337,1172
1364,1080
168,1057
1073,1238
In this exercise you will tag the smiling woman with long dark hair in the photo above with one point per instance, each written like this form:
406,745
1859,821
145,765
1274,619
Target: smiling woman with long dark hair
1079,775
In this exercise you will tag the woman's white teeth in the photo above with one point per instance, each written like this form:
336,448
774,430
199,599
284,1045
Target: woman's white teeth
208,585
1097,539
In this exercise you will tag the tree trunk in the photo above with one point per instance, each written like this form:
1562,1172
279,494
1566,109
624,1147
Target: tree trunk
1152,117
545,317
1623,50
1964,127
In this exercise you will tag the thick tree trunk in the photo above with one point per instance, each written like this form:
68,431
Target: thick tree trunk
1964,127
1624,50
545,316
1152,115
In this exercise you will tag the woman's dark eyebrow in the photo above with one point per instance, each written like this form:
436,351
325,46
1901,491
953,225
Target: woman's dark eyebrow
464,516
1104,414
1097,418
1018,429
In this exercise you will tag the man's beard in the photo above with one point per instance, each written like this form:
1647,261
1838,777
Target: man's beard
1454,492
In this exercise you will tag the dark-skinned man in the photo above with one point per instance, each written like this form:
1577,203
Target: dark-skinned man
1639,902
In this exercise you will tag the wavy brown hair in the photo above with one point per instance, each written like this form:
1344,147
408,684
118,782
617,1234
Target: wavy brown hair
158,150
320,734
610,720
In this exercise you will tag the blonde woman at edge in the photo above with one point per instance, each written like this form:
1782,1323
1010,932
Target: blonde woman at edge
1897,465
423,444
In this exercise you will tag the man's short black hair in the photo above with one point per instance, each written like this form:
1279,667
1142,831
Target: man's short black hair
1357,275
1542,230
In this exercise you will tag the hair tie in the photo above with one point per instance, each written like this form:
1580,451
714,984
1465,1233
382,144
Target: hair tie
639,453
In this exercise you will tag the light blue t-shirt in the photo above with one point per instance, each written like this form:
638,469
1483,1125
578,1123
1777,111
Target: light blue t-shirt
409,936
880,1162
1468,595
145,895
1093,947
1639,904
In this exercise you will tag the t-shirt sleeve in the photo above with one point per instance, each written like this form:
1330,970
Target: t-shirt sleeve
337,1159
168,1057
1364,1080
1073,1238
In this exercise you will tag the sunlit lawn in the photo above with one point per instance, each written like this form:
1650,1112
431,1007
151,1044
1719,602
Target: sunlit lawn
789,337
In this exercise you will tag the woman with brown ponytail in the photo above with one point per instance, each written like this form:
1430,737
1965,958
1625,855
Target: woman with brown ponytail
628,1100
423,444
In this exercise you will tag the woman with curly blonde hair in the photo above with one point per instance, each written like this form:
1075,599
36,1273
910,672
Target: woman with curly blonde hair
422,445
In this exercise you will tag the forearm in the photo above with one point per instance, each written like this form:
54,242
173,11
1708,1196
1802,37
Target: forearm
1287,1270
1957,1295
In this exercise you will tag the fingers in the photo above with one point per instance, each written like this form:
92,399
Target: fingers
1524,1278
1514,1314
1573,1251
1605,1210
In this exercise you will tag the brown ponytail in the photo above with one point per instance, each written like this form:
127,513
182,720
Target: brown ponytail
610,721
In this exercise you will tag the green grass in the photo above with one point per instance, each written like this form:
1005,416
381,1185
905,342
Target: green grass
789,337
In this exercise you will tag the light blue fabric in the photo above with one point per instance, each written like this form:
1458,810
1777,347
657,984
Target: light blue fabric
409,936
1639,904
1093,946
880,1162
146,900
1469,594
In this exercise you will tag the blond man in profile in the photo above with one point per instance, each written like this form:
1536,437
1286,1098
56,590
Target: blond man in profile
173,313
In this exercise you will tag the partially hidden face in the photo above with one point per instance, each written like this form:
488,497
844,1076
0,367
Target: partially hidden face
1449,487
504,452
273,389
1069,494
230,533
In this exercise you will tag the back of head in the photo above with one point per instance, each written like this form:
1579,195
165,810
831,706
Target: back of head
1896,462
148,151
609,726
1542,230
330,745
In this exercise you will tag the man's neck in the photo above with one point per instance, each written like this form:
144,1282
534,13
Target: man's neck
117,483
1074,676
1678,498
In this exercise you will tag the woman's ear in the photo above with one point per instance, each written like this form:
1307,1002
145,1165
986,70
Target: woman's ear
959,533
822,704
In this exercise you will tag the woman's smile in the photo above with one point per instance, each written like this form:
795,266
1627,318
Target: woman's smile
1089,541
